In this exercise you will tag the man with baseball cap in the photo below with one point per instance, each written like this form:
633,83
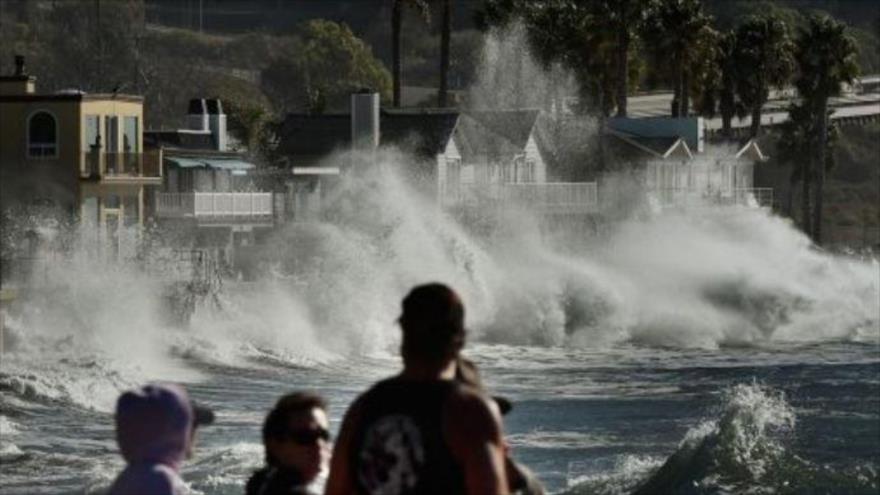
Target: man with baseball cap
422,431
155,430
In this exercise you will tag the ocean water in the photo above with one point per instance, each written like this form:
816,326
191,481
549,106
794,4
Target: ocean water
708,351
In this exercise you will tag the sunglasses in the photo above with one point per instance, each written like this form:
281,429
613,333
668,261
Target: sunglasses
307,436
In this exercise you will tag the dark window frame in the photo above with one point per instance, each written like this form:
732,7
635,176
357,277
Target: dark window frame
42,149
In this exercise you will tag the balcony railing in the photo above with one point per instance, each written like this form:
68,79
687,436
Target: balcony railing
214,205
549,197
745,196
96,164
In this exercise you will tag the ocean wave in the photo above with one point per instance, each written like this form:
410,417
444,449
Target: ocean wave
743,450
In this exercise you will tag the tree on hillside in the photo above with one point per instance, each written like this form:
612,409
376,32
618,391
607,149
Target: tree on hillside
396,24
95,47
248,113
764,57
826,58
321,67
674,30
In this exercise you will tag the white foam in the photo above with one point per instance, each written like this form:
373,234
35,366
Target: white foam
544,439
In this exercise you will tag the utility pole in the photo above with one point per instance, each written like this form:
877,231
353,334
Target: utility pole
200,16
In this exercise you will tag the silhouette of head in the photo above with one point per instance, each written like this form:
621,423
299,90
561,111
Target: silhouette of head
432,323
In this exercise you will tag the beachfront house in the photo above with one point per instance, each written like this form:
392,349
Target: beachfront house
209,196
345,142
461,159
76,154
677,168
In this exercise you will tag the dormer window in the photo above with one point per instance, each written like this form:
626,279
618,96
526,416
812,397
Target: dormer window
42,135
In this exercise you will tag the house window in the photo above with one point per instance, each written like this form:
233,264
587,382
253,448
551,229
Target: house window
42,135
93,131
111,133
130,135
529,172
453,177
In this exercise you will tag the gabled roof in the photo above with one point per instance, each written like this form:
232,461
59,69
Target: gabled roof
655,147
514,125
179,139
425,132
475,139
314,135
752,151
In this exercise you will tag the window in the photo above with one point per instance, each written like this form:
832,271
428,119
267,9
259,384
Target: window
130,134
453,177
42,135
111,134
529,172
93,131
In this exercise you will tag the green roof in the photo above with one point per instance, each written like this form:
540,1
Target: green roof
219,163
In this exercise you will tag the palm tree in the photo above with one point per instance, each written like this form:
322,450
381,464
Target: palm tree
764,58
728,104
714,72
445,32
826,57
674,31
624,19
794,146
396,24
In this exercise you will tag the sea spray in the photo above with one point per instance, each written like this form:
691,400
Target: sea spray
87,327
712,277
709,278
742,450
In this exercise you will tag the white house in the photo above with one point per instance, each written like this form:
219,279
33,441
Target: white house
677,166
463,159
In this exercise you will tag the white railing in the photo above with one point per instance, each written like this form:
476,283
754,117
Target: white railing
745,196
549,197
754,196
214,205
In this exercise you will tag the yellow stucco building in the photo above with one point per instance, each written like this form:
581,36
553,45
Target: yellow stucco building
76,153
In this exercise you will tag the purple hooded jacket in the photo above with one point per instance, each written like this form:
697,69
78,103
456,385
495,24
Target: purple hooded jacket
154,426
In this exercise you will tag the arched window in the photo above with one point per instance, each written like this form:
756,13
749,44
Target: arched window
42,135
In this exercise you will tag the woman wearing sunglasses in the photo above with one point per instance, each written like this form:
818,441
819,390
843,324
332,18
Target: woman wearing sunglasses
296,439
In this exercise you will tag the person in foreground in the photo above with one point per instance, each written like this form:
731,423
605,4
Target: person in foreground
296,440
155,429
422,431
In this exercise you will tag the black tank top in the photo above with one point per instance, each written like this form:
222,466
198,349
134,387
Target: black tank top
399,448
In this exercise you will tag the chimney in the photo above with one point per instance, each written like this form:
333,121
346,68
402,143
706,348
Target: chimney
197,118
365,120
19,83
217,123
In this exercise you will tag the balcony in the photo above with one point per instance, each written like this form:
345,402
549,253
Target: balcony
122,167
549,197
216,206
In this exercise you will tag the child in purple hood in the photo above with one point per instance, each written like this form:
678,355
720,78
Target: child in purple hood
155,429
